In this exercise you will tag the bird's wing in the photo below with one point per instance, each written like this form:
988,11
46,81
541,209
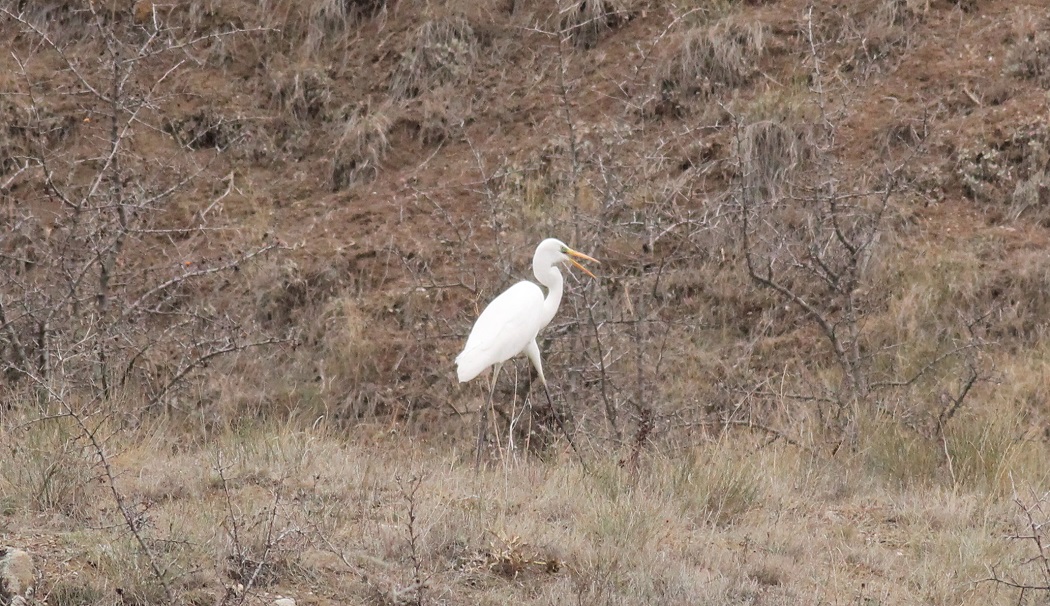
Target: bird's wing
502,330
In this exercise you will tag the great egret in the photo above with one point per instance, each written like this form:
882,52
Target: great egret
509,324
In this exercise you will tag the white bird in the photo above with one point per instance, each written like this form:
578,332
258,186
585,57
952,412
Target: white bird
509,324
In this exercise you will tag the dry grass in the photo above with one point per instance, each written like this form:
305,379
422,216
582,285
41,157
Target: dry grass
303,92
719,485
709,60
1029,56
771,151
584,22
729,521
441,51
872,35
310,29
1007,167
362,146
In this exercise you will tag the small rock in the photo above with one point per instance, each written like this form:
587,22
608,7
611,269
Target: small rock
284,602
16,574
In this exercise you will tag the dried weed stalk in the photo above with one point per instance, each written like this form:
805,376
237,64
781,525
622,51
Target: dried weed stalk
409,492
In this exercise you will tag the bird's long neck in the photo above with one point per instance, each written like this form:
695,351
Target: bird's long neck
550,277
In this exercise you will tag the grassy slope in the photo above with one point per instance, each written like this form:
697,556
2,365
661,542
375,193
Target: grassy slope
453,187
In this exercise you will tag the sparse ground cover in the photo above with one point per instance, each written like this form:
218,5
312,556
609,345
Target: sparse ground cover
241,243
327,519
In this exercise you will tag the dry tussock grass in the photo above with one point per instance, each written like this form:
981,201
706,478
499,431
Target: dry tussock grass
584,22
1029,57
302,91
771,151
709,60
363,143
50,471
1008,167
309,29
869,36
441,51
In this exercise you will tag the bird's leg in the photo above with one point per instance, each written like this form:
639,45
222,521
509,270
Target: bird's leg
532,350
513,417
482,421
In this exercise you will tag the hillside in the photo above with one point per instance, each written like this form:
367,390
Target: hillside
242,243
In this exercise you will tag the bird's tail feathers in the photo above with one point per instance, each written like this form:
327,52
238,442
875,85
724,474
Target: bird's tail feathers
467,368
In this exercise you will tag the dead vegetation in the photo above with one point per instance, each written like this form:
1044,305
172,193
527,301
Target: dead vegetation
233,288
362,145
441,51
584,22
706,61
273,514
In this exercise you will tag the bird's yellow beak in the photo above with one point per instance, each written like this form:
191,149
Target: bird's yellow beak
580,255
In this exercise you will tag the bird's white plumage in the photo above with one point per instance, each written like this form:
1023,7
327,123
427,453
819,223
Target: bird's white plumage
505,327
509,324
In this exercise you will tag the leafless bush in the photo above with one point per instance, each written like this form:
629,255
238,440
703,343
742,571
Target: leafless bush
818,249
256,545
98,289
418,587
1031,576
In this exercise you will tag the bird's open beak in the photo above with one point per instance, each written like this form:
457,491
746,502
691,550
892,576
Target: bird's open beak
580,255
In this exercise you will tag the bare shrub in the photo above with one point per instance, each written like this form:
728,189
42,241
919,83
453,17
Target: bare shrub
1031,574
108,211
816,243
441,51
